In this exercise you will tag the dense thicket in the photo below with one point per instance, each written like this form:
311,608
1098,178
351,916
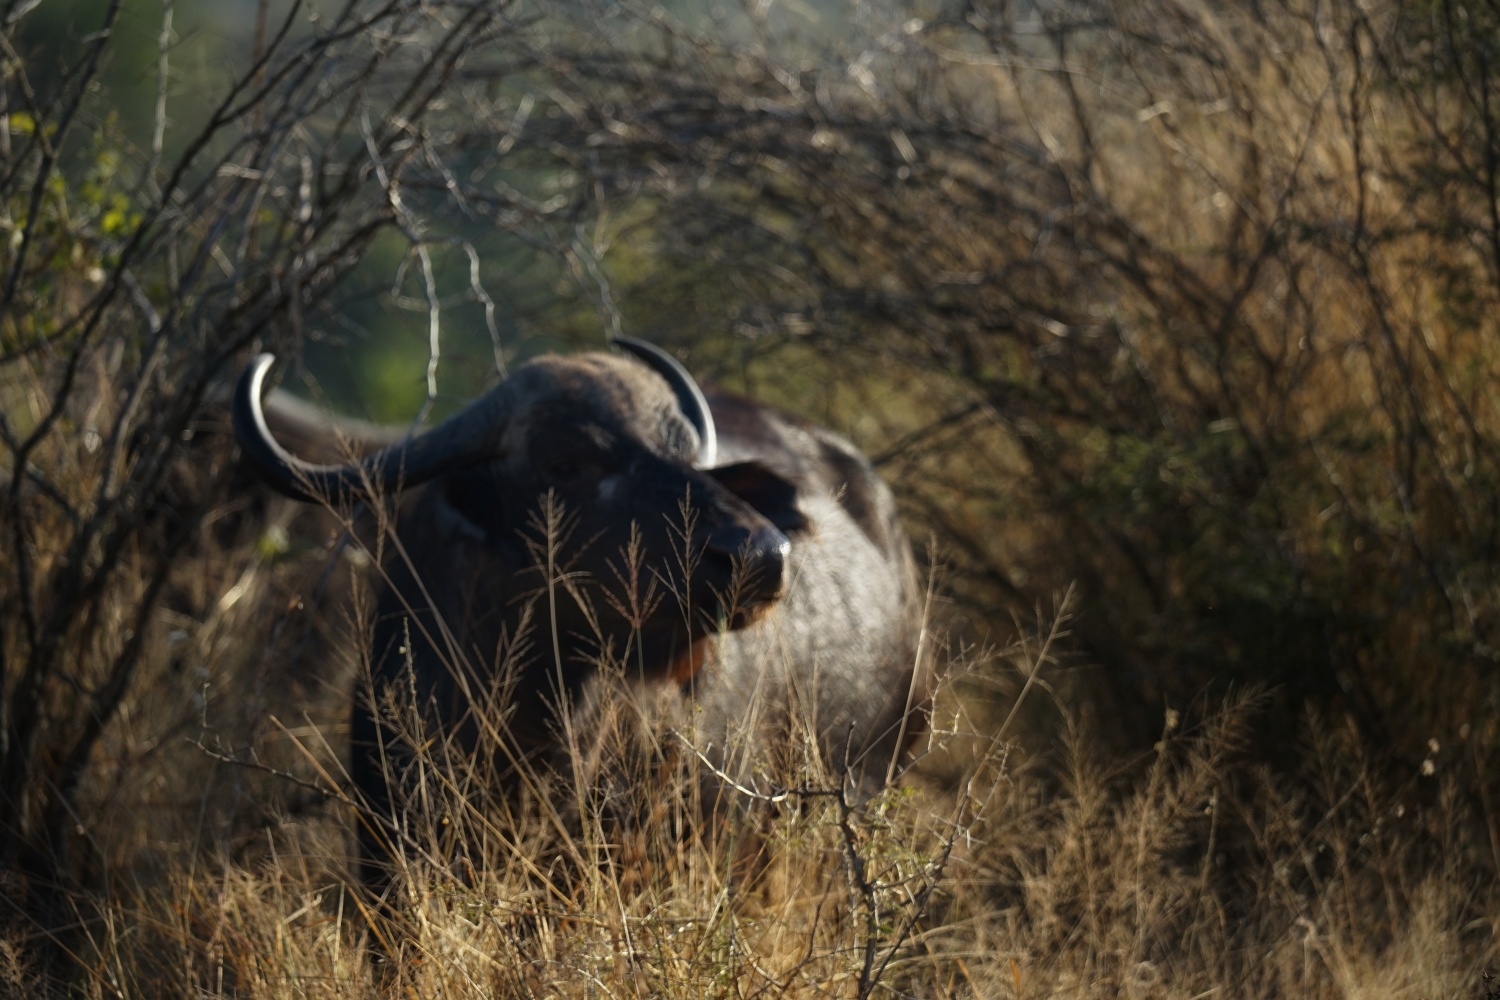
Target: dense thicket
136,275
1195,306
1191,305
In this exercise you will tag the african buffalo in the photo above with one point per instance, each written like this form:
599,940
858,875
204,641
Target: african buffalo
772,547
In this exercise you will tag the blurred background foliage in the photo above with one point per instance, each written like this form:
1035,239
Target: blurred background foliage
1193,306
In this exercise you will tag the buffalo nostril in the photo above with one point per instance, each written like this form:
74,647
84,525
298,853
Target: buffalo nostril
772,548
760,554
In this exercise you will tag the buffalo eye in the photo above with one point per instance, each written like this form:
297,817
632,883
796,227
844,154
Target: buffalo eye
564,470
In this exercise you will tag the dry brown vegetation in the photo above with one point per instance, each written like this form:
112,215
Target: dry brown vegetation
1193,306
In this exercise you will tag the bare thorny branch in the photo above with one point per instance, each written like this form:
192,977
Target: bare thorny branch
172,328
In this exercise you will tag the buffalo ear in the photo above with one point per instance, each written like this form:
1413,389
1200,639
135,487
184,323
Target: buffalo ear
772,496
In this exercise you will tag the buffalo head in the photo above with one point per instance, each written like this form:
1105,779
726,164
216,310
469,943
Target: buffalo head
624,448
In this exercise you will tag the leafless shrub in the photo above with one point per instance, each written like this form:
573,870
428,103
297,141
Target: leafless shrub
130,291
1192,305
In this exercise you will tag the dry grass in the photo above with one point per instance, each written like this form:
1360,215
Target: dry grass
1127,299
1186,872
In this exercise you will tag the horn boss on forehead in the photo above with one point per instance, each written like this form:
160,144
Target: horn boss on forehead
689,397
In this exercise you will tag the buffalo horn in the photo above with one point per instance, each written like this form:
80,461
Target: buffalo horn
689,397
458,439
